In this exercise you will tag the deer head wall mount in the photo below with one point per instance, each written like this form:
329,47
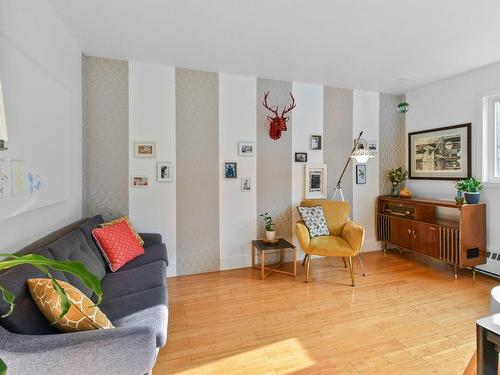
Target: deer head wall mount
277,123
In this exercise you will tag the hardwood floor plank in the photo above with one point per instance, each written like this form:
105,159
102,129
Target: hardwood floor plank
407,316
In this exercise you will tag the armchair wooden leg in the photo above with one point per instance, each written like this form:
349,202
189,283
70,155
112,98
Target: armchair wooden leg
308,268
352,271
361,264
305,259
345,264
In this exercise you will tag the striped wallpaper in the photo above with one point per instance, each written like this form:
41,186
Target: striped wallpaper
214,219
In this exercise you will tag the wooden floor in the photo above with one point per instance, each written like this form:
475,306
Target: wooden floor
407,316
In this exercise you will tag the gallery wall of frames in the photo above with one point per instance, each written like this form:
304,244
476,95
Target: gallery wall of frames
202,165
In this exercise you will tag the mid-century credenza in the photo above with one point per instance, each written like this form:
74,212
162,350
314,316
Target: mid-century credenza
436,228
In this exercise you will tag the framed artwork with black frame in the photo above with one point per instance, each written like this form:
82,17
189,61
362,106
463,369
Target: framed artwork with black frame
360,174
301,157
440,154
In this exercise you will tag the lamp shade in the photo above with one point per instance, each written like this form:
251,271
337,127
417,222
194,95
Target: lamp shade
361,155
3,123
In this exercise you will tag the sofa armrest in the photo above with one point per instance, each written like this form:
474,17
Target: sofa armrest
122,350
302,235
354,235
151,238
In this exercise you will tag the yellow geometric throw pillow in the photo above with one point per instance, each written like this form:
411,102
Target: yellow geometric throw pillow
83,315
119,220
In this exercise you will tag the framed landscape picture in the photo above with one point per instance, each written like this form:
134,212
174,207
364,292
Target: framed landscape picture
440,154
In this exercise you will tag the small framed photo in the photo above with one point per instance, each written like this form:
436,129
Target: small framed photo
246,184
301,157
362,144
144,149
316,142
372,146
316,181
164,171
246,148
230,169
140,181
360,174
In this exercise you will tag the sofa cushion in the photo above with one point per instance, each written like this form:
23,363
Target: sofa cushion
152,254
117,244
27,318
146,308
140,241
74,247
86,229
83,314
134,280
151,239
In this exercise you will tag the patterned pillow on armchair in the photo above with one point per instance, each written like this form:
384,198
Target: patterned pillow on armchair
314,220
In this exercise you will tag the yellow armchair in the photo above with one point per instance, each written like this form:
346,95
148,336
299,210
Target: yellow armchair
345,239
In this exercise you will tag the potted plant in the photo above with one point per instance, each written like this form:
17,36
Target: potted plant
270,232
397,176
471,188
44,264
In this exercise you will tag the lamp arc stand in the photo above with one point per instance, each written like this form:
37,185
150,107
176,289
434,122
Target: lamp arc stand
338,190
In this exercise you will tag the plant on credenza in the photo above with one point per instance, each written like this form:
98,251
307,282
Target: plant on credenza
471,188
43,264
270,232
397,176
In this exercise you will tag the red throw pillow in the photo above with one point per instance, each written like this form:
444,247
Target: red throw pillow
118,244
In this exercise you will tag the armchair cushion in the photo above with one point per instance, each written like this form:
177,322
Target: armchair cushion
314,219
330,246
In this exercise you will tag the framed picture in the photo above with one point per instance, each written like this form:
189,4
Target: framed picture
360,174
316,142
301,157
246,184
230,169
316,181
362,144
18,177
372,146
140,181
144,149
164,171
246,148
440,154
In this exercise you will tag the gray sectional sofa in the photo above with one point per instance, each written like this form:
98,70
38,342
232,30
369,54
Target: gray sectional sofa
135,300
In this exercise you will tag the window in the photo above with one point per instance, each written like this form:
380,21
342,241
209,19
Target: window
491,138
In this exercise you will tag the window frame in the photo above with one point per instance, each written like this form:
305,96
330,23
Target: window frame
490,140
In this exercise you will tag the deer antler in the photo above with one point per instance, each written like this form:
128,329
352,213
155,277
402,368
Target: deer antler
275,111
290,107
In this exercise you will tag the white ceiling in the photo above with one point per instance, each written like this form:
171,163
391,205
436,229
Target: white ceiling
381,45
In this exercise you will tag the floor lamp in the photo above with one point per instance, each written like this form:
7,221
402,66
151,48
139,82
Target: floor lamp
361,156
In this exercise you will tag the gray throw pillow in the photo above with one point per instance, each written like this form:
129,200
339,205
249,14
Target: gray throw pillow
314,219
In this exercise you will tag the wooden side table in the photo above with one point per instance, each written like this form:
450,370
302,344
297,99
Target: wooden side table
261,249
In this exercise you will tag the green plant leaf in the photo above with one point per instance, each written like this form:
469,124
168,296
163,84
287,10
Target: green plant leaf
75,268
9,298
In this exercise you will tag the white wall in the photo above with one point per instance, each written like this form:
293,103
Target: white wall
237,122
152,118
32,27
307,120
450,102
366,108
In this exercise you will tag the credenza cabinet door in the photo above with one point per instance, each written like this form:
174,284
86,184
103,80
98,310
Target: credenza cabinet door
426,239
402,233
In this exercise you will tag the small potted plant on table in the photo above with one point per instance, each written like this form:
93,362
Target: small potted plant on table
471,188
270,232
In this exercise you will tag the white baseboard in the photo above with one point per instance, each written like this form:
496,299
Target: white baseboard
231,263
371,245
171,270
